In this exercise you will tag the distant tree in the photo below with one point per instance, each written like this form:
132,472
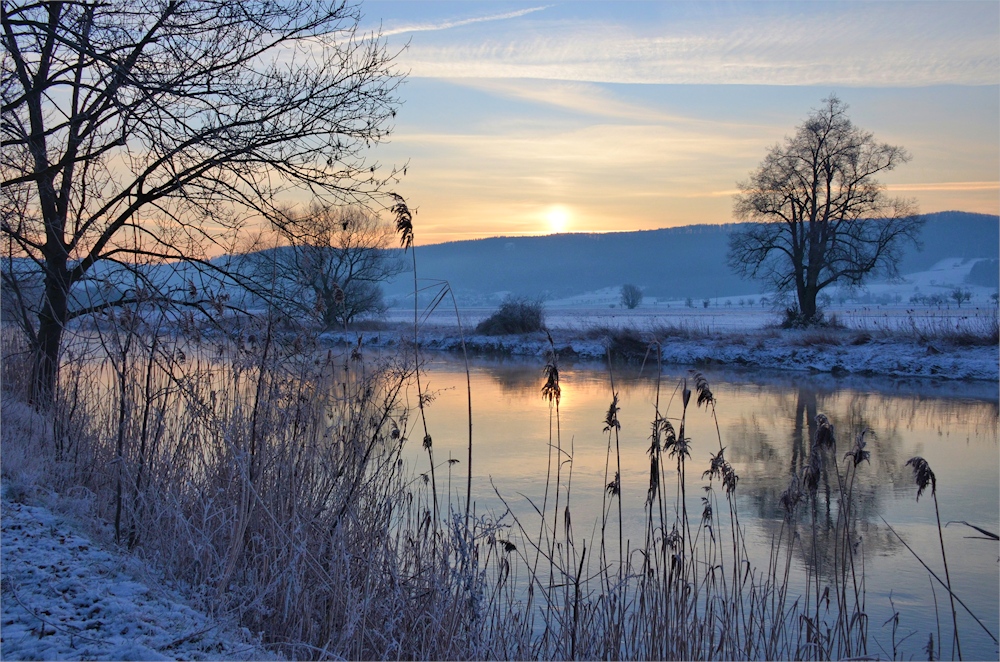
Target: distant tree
960,295
995,297
689,302
141,131
819,215
630,296
332,266
706,303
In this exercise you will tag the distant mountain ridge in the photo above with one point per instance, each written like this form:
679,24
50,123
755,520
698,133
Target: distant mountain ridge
688,261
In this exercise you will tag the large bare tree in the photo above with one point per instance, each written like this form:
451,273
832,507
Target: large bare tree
330,265
144,131
819,215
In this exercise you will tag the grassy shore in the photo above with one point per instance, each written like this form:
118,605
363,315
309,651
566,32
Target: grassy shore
265,474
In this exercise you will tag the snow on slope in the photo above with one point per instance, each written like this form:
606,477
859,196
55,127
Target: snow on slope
63,597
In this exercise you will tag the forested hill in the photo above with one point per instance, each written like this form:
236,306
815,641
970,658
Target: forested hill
669,263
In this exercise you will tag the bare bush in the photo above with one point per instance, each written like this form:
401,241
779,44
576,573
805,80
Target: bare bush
515,315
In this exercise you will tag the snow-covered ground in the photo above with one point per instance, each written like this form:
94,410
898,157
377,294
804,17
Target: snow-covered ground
65,597
884,305
888,329
835,352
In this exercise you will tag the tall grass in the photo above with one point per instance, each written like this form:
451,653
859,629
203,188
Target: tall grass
268,475
962,327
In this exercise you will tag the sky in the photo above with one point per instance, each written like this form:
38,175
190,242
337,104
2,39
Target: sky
524,118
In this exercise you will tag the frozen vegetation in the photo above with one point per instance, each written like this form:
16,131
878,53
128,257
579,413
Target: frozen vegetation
67,595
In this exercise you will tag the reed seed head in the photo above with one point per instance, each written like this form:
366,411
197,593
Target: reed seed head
812,471
705,395
719,467
611,419
679,447
654,478
706,511
551,390
824,432
922,475
790,497
858,454
404,221
614,488
673,539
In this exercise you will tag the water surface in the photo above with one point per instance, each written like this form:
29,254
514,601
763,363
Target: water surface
766,422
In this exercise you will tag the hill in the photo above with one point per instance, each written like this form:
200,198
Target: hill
670,263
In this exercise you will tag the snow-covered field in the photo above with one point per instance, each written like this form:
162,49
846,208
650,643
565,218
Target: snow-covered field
887,329
65,597
880,306
884,341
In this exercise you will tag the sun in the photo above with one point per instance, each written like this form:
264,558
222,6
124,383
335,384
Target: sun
558,218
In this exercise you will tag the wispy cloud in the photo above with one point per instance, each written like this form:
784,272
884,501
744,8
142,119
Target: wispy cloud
946,186
445,25
856,44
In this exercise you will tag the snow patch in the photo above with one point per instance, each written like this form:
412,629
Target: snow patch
66,598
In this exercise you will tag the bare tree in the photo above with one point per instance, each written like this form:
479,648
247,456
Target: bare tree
141,131
630,296
960,295
819,215
332,266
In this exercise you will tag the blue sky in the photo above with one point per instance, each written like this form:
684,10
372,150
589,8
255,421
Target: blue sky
529,118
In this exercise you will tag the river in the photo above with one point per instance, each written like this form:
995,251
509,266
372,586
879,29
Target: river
766,422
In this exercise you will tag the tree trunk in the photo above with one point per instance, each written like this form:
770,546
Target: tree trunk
51,322
807,303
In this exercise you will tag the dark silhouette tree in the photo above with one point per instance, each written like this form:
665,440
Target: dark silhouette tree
145,131
630,296
819,215
332,266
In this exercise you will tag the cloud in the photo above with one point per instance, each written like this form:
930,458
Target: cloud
946,186
445,25
584,98
854,44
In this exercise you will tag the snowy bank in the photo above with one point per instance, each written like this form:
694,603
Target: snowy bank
834,351
64,597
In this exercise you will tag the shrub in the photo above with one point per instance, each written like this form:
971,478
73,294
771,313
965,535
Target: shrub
515,315
631,296
794,319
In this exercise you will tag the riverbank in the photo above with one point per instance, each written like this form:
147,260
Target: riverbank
833,351
66,596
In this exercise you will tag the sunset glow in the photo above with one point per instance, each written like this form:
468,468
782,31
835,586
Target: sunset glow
558,218
648,114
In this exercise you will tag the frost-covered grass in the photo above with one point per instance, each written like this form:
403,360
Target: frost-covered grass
264,476
266,480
